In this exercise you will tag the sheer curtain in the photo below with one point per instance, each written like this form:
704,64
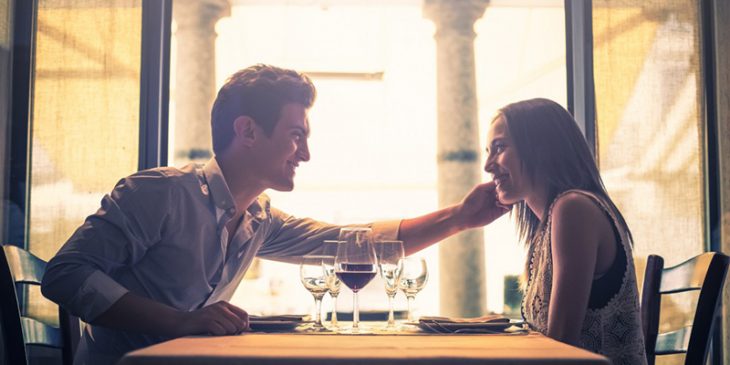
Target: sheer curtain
649,127
85,120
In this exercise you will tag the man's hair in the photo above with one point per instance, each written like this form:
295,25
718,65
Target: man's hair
553,149
259,92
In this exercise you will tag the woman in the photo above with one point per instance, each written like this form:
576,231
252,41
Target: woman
581,282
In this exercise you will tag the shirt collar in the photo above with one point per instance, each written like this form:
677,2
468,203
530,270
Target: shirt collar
222,197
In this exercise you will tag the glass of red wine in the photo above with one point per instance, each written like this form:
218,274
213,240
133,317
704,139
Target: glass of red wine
355,264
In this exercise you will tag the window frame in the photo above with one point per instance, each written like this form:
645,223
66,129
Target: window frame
154,83
154,97
711,150
579,64
21,107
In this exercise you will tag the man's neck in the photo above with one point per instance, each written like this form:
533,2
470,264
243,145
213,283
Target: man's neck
241,183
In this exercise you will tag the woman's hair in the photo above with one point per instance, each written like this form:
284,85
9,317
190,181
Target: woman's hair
553,151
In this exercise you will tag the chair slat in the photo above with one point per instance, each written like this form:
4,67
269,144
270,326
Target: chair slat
26,267
689,275
22,272
707,273
39,333
13,347
675,342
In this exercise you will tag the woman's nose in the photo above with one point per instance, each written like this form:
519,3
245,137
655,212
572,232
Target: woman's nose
489,165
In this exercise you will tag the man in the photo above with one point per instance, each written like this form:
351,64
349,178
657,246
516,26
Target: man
167,248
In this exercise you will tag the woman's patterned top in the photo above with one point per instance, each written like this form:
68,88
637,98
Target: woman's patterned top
613,330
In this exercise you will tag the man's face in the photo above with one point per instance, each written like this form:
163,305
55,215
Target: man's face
278,156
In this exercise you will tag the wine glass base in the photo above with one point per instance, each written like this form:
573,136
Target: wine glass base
360,330
396,327
313,328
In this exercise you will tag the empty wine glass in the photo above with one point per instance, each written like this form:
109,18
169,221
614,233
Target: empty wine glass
355,264
389,254
413,276
333,282
313,276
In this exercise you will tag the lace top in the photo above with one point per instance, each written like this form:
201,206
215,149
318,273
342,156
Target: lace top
613,330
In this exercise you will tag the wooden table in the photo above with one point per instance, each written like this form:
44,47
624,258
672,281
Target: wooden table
260,348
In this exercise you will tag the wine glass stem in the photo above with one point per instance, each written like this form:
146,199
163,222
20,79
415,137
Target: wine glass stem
334,310
391,317
318,315
410,308
355,311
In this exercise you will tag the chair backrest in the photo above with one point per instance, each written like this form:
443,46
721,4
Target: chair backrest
706,273
18,269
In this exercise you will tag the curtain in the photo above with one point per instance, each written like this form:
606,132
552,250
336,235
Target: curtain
649,100
85,116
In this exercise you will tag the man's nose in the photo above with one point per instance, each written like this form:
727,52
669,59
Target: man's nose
303,152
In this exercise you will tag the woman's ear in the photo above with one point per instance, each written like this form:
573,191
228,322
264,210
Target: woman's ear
244,129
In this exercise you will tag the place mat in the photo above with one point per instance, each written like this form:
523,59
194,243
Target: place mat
276,323
280,317
490,318
485,324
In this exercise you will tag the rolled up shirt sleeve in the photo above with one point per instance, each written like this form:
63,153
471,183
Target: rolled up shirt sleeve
291,238
386,230
129,221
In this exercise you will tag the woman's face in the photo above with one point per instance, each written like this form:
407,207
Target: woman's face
505,166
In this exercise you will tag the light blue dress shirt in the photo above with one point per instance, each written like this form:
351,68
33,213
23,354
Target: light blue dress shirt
161,234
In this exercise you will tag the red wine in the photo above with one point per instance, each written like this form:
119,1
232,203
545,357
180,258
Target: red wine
356,276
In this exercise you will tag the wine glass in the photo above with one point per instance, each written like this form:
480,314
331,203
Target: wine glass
333,282
413,276
389,254
355,264
314,278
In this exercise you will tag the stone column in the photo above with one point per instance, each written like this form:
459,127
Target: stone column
461,257
195,88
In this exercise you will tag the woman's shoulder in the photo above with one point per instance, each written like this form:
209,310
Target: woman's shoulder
578,215
578,220
577,204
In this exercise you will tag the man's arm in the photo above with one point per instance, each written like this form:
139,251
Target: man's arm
131,219
118,235
479,207
138,314
294,237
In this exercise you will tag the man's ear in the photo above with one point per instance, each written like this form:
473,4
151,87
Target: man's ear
244,129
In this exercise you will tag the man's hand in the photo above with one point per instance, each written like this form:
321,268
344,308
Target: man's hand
220,318
139,314
480,207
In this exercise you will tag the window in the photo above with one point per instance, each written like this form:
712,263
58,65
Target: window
650,130
373,141
85,119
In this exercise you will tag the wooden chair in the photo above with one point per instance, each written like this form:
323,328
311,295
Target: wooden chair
705,273
18,269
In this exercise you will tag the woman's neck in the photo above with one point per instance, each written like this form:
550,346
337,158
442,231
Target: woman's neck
537,202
